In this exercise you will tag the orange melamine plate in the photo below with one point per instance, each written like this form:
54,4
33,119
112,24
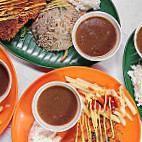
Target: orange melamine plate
11,100
23,118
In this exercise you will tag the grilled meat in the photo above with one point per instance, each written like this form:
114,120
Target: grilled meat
15,13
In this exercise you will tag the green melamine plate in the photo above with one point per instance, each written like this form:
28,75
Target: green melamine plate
27,49
130,57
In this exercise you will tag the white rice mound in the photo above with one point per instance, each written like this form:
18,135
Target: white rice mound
39,134
52,29
85,5
136,77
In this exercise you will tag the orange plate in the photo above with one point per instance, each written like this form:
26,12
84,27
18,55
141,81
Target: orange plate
11,100
23,118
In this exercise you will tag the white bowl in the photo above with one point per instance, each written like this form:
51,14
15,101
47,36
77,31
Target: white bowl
52,127
135,41
10,82
114,23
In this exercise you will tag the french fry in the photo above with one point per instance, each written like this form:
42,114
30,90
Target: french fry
88,93
1,108
129,104
122,120
114,93
79,87
129,116
131,107
122,111
83,81
82,84
82,90
85,109
113,117
82,98
121,93
110,116
90,84
69,79
98,95
117,113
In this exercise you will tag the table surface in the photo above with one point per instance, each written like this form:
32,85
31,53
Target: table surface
130,16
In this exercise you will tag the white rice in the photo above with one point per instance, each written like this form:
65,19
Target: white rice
39,134
86,4
136,77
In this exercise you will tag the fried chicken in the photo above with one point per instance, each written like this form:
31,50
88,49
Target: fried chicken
117,132
15,13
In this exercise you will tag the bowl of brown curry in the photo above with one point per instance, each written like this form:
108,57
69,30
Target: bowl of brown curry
138,40
57,106
5,80
96,36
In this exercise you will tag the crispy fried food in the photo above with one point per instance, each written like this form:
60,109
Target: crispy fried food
15,13
117,138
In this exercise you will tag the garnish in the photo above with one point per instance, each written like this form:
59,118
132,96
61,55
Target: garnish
64,8
23,32
65,55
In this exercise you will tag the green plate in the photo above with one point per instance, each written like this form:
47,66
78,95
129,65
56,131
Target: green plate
27,49
130,57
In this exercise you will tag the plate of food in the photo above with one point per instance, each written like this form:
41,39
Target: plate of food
40,31
8,90
132,68
108,113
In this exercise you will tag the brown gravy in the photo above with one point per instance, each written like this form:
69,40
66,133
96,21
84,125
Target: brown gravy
4,80
139,40
57,105
96,36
